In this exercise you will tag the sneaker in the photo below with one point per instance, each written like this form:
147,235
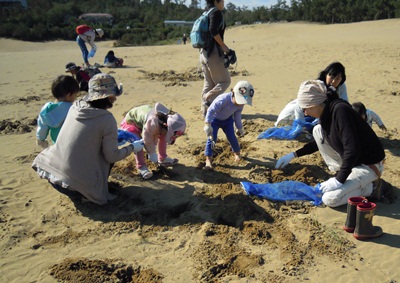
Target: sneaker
146,173
168,161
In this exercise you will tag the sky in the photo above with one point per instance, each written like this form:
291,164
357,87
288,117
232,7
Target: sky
240,3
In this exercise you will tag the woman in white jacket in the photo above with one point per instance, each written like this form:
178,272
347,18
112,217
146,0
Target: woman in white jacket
334,75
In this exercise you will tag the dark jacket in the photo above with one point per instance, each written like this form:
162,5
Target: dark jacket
216,26
83,79
349,135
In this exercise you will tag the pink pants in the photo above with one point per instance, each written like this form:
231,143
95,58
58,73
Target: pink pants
140,160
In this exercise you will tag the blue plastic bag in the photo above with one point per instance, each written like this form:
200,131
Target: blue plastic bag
284,191
286,132
125,136
92,53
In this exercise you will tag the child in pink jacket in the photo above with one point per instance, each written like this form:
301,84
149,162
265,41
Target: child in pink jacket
158,126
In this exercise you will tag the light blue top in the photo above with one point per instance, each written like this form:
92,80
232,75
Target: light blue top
51,118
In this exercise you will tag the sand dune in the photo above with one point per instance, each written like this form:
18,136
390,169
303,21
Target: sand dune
185,224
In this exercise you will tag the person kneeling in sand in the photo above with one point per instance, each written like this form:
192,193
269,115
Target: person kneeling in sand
158,126
347,144
334,75
79,74
111,61
87,145
223,112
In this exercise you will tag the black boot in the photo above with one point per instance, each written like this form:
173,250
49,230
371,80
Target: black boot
364,229
352,203
376,195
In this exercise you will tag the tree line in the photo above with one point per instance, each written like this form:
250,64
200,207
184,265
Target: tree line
141,22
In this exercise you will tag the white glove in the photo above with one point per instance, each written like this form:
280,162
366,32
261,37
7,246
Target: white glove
284,160
208,130
153,157
137,146
43,144
240,132
331,185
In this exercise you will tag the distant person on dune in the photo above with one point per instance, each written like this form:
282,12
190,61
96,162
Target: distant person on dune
87,35
80,75
111,61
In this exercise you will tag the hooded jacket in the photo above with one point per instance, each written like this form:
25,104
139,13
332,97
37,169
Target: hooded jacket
50,120
349,135
145,118
87,144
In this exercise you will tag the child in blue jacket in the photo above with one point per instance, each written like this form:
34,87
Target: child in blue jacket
223,113
52,115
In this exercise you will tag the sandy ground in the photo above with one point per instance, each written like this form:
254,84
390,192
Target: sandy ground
187,224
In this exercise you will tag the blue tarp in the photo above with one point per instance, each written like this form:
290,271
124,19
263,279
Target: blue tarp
288,132
125,136
284,191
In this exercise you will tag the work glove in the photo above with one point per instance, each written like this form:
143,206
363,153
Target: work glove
229,58
137,146
240,132
208,130
284,160
43,144
153,157
331,185
232,56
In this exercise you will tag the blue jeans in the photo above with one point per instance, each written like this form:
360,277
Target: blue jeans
227,127
85,51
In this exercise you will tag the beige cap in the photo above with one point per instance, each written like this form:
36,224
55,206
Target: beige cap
311,93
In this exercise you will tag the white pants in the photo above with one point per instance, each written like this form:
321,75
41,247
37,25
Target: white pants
358,183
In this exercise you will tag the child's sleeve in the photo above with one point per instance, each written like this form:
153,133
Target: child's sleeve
237,117
42,130
375,118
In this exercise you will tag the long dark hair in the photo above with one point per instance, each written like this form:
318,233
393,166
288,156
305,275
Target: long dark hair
333,70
